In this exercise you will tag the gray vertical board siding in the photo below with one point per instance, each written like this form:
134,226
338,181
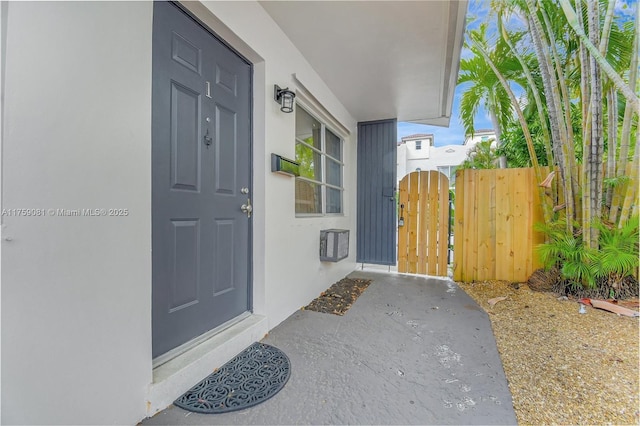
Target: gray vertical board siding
376,227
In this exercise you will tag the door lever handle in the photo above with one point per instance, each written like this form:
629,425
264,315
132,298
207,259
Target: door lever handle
247,208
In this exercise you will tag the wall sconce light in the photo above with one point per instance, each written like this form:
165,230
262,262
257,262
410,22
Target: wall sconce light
284,97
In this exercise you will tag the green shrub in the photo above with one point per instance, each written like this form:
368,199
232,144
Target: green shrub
618,254
616,258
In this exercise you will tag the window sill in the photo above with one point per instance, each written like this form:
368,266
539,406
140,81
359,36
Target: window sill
318,215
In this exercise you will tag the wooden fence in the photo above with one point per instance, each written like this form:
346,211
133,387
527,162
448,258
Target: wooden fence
495,211
423,244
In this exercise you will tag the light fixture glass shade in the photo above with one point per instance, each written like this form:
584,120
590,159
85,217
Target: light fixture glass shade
285,98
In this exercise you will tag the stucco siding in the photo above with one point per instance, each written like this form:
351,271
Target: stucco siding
76,336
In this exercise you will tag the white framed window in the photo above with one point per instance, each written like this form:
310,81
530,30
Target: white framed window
320,187
418,145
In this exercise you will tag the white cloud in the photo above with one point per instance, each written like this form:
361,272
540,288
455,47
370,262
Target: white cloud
625,8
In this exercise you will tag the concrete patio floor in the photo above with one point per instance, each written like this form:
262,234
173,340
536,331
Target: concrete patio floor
411,350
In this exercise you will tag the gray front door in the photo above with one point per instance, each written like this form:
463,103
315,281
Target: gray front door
201,176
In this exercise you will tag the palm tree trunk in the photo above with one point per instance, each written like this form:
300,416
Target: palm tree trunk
546,208
502,160
612,141
624,88
625,136
612,110
559,145
536,95
631,195
606,28
566,99
585,97
593,160
583,56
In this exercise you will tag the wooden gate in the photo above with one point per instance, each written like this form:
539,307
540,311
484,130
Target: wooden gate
423,224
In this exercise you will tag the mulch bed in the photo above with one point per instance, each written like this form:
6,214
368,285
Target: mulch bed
338,298
563,367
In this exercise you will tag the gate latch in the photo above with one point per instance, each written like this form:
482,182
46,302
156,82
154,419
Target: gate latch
401,220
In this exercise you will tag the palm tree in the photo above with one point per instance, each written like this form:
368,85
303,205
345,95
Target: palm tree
481,156
484,87
578,65
585,59
590,44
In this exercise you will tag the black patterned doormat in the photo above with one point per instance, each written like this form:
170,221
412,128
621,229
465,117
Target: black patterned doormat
252,377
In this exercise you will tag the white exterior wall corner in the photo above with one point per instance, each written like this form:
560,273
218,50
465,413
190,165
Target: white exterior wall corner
76,305
76,291
402,162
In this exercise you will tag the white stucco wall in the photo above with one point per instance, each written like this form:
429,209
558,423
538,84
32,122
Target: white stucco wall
448,155
76,291
401,162
472,140
418,154
76,306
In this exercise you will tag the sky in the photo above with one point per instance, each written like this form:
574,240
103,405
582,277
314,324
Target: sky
454,134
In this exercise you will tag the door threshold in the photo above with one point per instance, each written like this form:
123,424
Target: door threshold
176,376
175,352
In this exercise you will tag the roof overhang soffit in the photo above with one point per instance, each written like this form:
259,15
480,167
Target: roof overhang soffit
382,59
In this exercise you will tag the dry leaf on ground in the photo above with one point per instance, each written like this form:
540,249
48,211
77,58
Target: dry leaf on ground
338,298
495,300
